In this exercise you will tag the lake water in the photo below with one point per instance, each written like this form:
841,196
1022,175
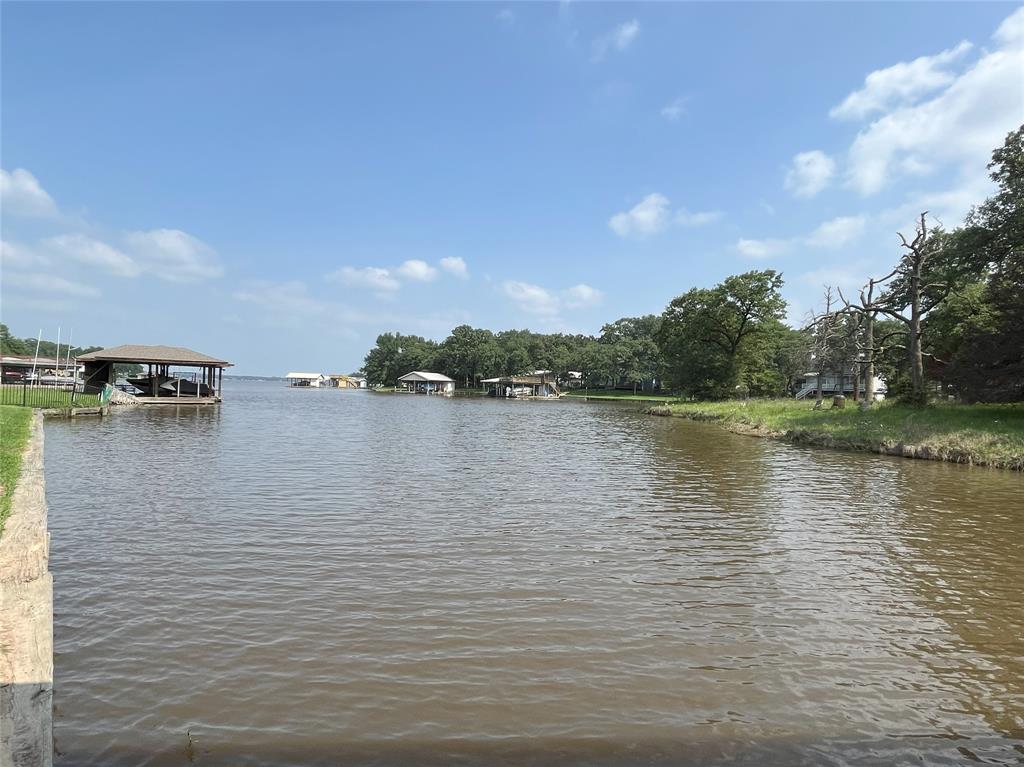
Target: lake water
331,577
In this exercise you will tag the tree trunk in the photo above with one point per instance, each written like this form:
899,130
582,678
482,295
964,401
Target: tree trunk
869,369
916,359
818,397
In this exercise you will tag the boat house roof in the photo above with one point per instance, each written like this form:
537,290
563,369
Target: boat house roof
420,375
160,355
305,376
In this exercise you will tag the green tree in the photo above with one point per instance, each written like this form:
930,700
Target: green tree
710,338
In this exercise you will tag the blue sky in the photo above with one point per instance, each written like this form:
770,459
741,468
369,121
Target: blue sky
277,183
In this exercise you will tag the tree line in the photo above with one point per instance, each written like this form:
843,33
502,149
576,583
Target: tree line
947,320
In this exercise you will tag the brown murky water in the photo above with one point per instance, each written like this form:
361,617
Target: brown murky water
317,577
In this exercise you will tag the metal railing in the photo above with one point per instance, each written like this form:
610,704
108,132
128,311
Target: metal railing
57,394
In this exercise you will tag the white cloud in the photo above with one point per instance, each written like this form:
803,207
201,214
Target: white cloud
959,126
416,270
21,194
282,298
372,277
506,16
173,255
832,234
92,252
625,34
456,266
648,216
653,214
582,296
700,218
532,298
674,110
48,284
902,83
546,303
19,257
619,39
810,173
762,248
837,232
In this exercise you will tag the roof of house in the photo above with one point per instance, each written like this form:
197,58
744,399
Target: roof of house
305,375
162,355
18,360
420,375
524,379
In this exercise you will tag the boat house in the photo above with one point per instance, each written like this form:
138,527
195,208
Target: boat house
307,380
517,387
341,381
173,375
421,382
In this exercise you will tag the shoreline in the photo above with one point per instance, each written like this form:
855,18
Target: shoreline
903,444
26,616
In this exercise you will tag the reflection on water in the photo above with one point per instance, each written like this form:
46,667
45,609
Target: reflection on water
328,577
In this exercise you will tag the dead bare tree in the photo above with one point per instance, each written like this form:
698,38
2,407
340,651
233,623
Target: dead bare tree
869,348
826,331
914,296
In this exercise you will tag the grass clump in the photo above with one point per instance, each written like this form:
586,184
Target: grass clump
15,424
984,434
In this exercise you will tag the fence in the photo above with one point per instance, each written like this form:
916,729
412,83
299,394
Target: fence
45,395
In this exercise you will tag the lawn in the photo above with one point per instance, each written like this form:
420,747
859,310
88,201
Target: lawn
14,430
984,434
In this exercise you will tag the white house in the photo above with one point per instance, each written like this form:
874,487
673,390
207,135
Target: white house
423,382
315,380
832,384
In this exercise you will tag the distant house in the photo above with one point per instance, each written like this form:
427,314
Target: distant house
423,382
306,380
833,384
341,381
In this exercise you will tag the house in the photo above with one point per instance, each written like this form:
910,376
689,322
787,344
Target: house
341,381
833,384
307,380
38,370
515,387
424,382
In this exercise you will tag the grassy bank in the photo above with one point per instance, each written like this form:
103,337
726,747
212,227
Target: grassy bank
14,430
620,395
986,435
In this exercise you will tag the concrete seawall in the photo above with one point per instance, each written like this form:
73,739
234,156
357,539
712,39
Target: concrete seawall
26,618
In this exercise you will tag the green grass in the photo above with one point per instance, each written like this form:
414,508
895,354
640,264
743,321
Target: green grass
14,430
620,395
991,435
45,397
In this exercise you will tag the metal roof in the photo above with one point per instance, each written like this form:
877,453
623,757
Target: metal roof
162,355
420,375
304,376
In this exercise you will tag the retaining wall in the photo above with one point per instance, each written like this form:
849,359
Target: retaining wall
26,618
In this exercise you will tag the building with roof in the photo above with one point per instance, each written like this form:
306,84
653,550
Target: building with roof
307,380
341,381
175,375
517,387
424,382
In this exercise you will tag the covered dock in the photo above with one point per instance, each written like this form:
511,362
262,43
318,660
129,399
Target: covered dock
174,375
425,382
518,387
